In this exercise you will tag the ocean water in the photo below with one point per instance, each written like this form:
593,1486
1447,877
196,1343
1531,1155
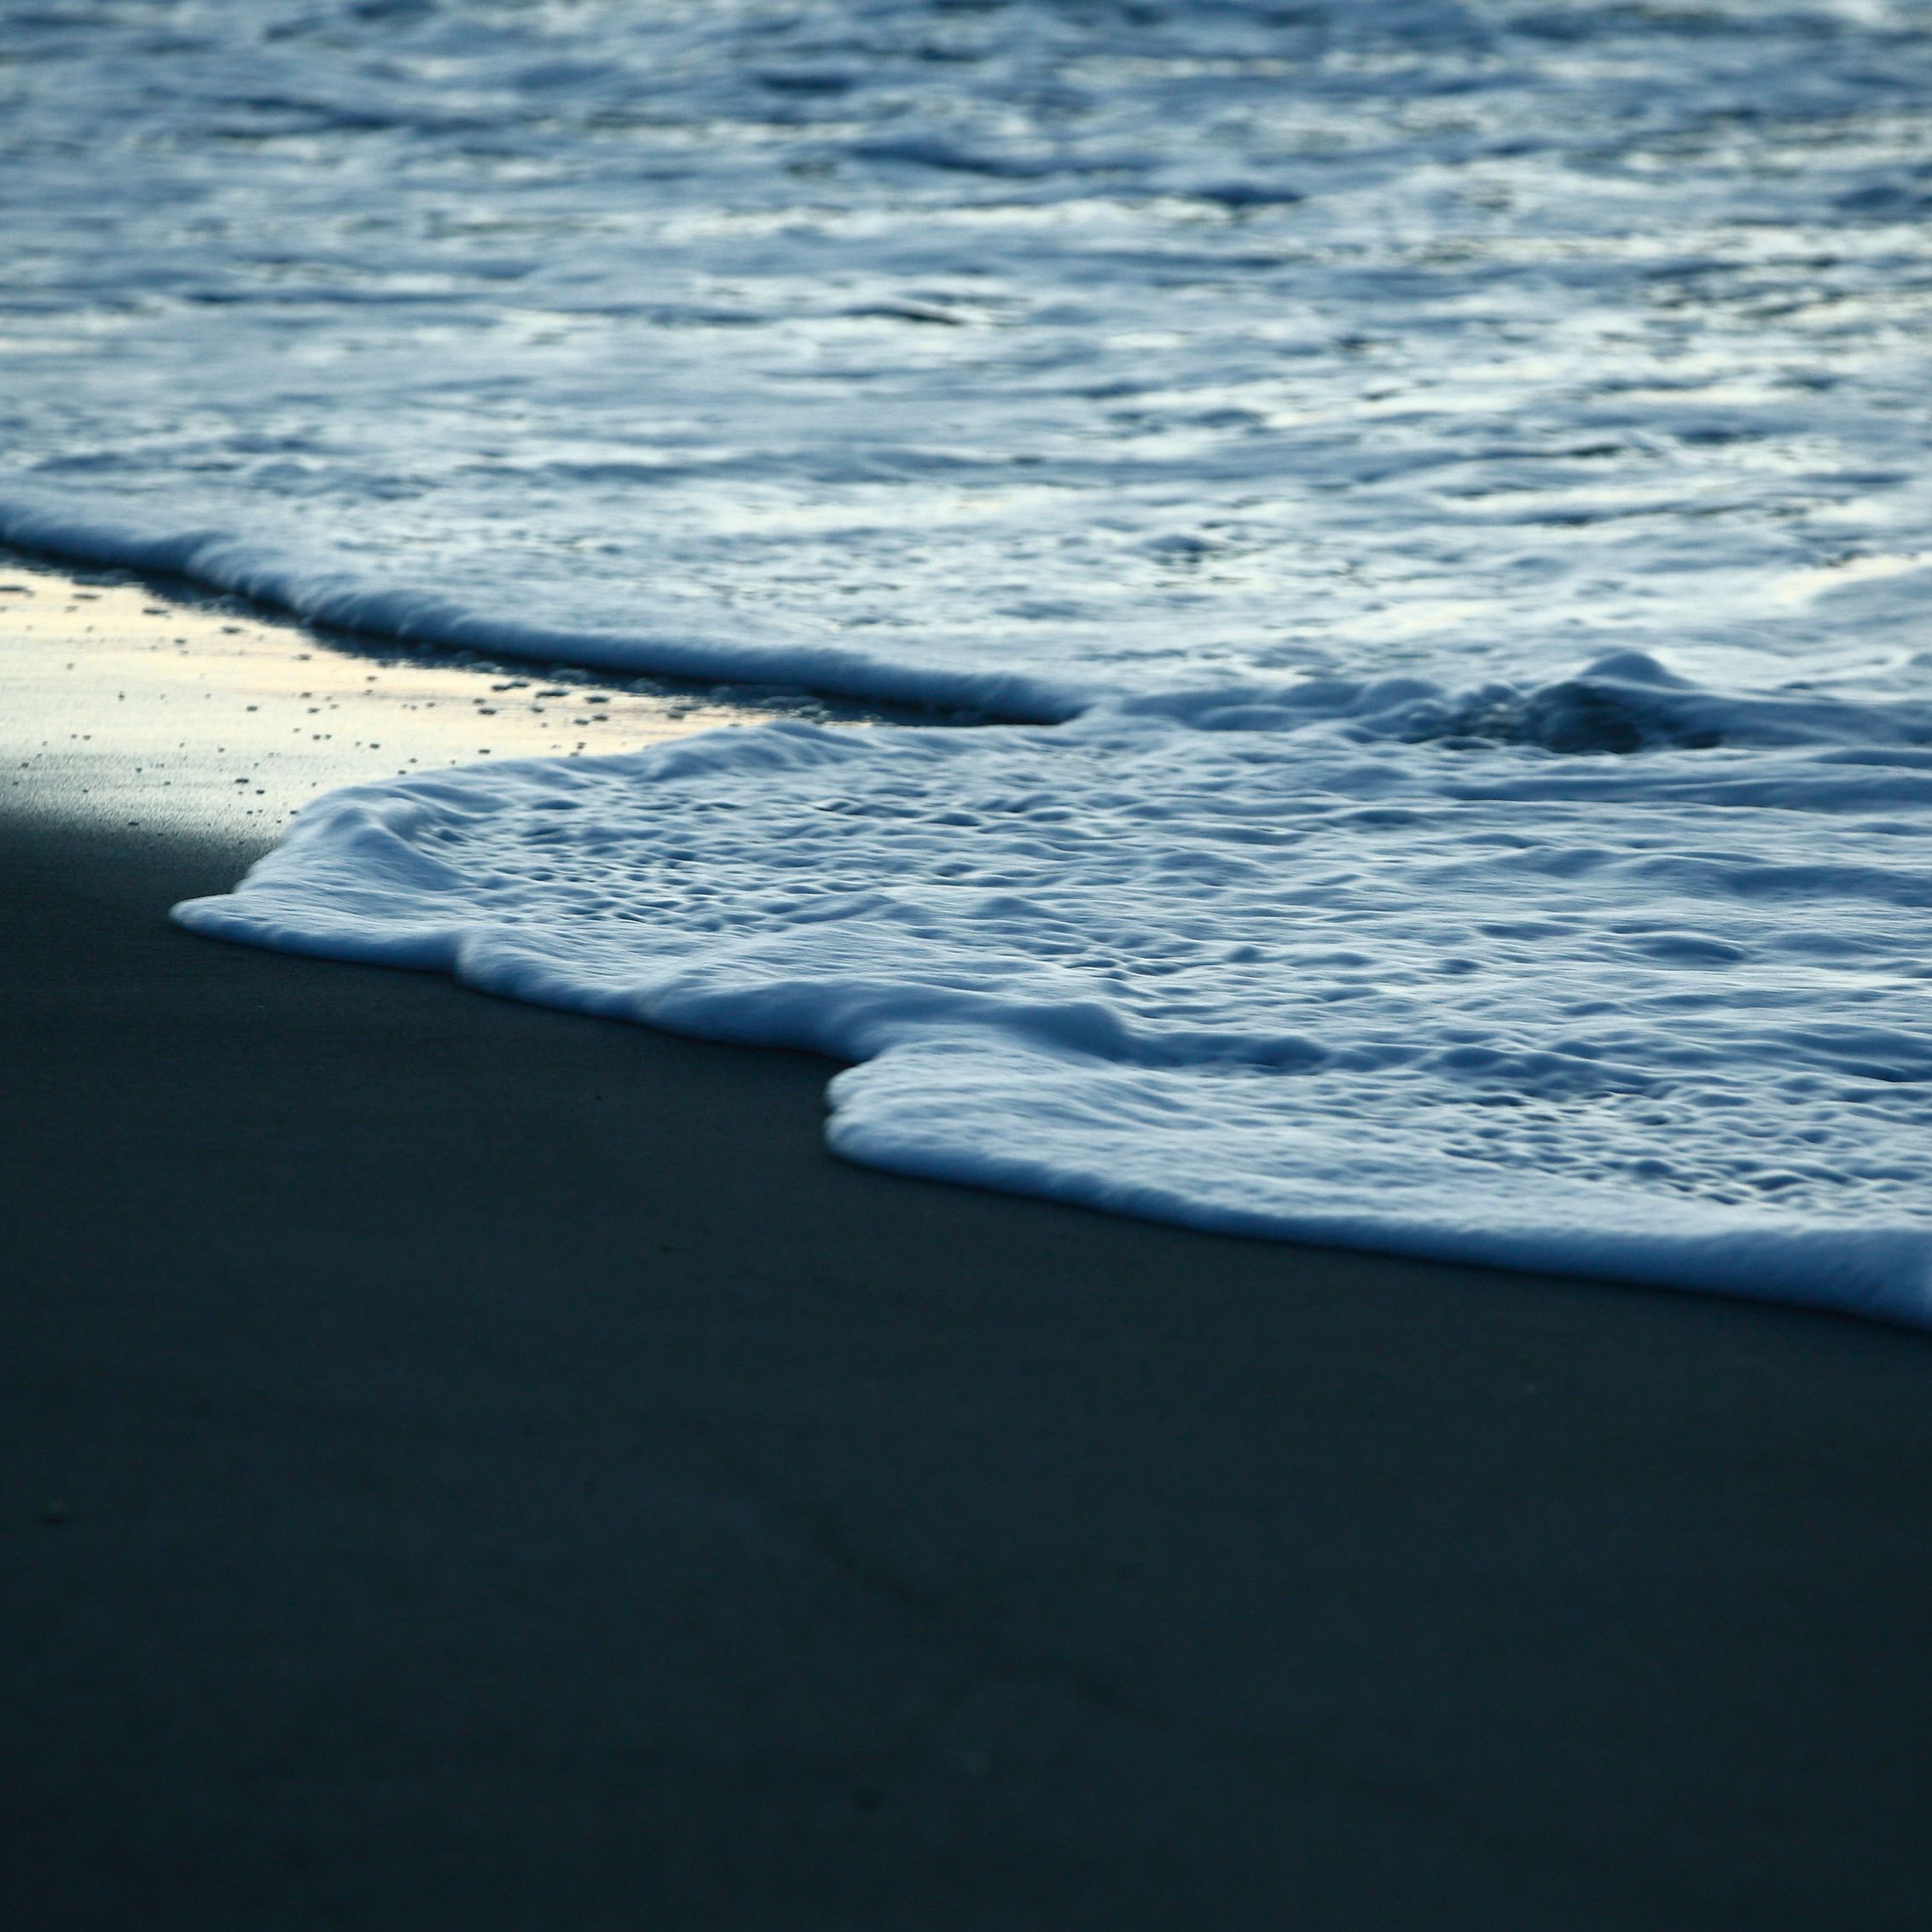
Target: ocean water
1435,491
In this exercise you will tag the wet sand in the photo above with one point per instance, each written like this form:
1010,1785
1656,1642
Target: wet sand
464,1465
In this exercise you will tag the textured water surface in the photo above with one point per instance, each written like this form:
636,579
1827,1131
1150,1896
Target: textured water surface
1086,343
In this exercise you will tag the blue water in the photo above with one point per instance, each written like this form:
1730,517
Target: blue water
1441,489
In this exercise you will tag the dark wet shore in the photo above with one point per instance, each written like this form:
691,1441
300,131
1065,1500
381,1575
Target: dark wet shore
465,1464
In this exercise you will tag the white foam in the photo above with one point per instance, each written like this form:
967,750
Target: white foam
1660,1017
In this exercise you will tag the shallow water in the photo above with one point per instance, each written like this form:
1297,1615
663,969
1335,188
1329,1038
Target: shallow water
1459,468
1025,350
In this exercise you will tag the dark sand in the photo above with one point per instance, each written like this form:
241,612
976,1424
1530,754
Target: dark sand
468,1466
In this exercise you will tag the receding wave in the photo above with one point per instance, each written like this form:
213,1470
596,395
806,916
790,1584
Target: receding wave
660,635
1301,980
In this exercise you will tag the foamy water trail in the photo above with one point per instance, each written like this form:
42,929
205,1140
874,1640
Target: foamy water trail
1446,475
1306,965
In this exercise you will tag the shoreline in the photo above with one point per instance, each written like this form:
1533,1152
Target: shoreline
822,673
468,1463
133,702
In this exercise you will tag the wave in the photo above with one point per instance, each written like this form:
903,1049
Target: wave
667,637
1297,974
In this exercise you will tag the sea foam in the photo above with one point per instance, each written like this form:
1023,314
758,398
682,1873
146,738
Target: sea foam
1294,964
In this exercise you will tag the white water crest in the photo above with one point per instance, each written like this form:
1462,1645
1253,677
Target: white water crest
1439,487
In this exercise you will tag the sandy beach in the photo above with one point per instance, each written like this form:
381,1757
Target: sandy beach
468,1465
